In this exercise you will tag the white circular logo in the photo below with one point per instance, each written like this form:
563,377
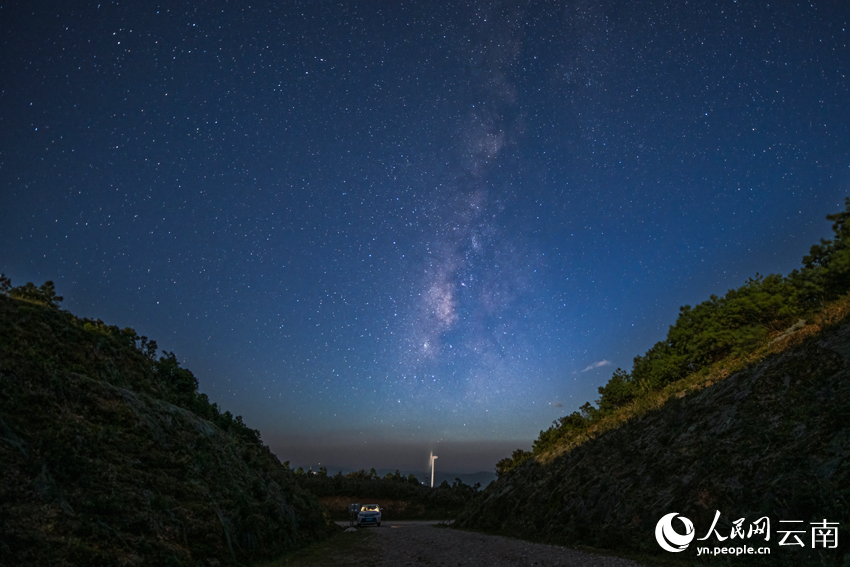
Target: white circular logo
670,539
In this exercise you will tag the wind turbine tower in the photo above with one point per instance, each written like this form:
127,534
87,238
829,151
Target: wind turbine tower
433,458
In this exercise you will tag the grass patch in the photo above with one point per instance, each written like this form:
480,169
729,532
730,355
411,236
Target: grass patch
349,549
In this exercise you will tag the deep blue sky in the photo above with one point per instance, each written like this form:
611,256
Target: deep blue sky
382,228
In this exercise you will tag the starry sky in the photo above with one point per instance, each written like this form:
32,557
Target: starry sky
378,229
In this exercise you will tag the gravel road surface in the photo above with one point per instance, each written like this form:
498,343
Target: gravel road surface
409,544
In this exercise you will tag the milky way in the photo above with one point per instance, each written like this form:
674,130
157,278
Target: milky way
374,230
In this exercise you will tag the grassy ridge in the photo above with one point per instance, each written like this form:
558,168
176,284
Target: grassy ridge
763,434
743,408
832,315
717,336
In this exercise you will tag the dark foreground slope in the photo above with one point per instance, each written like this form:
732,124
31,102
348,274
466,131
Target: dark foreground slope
772,440
99,464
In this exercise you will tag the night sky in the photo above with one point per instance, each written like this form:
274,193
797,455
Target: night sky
377,229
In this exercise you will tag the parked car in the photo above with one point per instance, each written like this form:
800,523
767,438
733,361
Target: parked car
369,515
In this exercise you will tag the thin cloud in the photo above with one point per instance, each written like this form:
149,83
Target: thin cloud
596,365
556,404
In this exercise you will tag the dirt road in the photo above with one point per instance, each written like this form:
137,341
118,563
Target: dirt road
414,544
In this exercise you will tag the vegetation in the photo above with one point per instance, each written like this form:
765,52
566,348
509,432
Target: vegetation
726,328
763,435
402,497
743,409
112,456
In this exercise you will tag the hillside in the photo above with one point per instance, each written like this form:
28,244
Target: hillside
771,439
110,456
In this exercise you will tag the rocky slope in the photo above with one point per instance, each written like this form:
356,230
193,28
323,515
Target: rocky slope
771,440
100,464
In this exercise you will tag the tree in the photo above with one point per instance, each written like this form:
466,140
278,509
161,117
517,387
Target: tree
827,264
559,428
48,292
148,348
181,381
395,477
517,457
617,392
588,411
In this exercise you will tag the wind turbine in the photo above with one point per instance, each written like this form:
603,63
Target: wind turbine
433,458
